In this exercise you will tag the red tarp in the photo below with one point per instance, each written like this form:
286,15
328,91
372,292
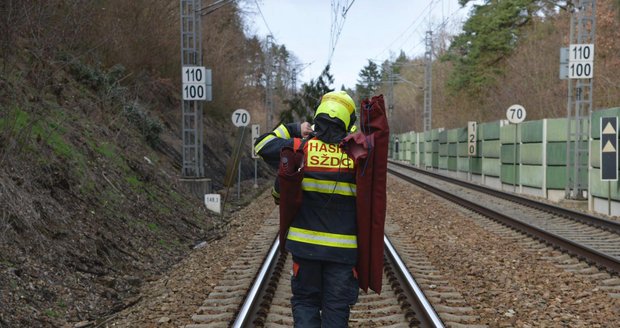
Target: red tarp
369,150
289,176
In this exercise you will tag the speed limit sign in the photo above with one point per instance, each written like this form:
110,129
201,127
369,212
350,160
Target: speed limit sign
241,117
515,114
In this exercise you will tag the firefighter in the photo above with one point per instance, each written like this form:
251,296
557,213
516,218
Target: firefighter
322,236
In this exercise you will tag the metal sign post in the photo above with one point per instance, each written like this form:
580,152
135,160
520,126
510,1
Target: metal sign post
192,105
609,154
241,119
428,82
196,90
472,131
577,61
255,135
515,114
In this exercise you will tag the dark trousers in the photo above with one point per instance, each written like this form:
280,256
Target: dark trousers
323,293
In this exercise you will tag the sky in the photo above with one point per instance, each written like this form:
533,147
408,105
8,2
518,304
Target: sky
371,29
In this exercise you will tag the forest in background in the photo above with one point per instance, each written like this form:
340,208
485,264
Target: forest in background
140,40
508,52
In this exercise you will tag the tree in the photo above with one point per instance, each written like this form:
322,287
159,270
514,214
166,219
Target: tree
303,104
369,81
489,35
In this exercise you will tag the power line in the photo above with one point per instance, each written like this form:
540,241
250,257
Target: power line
430,7
416,20
213,7
261,15
416,45
440,26
336,26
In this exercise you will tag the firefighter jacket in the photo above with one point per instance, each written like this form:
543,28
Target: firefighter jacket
324,227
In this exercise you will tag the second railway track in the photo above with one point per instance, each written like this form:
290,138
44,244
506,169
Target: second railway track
595,239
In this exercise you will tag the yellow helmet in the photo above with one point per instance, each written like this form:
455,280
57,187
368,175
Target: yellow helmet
338,105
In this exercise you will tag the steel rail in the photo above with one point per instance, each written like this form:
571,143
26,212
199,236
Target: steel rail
251,300
603,260
612,226
425,312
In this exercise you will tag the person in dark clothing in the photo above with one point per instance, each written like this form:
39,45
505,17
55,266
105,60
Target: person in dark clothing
322,237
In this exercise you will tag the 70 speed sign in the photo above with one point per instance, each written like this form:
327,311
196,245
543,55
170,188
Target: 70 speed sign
515,114
240,118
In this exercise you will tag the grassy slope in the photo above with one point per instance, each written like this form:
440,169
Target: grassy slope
88,208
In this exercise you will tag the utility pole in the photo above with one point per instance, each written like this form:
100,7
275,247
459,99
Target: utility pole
268,86
193,170
428,82
579,104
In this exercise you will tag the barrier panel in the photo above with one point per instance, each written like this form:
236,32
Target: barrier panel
529,158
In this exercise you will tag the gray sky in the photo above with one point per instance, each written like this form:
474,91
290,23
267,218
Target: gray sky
375,30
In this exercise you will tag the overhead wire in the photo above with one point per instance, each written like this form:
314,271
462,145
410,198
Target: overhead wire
416,21
416,24
263,17
439,27
337,25
431,6
213,7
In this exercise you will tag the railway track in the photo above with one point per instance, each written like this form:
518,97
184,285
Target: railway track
250,299
402,304
594,239
256,291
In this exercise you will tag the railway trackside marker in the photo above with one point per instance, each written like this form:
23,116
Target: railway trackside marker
515,114
255,135
577,61
609,154
609,148
581,61
196,83
471,138
212,202
472,134
241,118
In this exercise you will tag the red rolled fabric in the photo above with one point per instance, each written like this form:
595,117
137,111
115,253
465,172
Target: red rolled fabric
290,177
368,149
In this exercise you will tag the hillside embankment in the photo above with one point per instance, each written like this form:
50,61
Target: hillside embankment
91,207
